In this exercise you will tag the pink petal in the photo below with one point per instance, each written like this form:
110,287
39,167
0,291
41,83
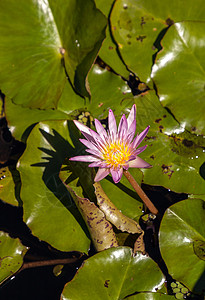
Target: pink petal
101,130
139,150
132,157
138,139
94,152
101,173
131,131
82,127
94,138
126,167
122,128
88,136
112,125
85,158
139,163
132,115
98,140
116,174
89,144
98,164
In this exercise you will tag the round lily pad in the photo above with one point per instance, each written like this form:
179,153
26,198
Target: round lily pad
11,255
113,274
182,240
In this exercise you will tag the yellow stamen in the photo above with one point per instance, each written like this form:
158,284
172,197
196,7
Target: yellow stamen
116,154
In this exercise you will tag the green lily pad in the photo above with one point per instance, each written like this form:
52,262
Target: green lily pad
182,237
108,51
7,187
49,210
137,28
175,153
42,43
113,96
11,255
22,119
113,274
109,54
179,74
104,6
151,296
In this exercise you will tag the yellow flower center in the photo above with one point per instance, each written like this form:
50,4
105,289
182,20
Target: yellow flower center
116,154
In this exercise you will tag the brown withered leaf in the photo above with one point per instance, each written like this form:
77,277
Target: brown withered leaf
116,217
100,229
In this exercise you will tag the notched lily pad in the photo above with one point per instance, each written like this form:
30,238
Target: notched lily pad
46,49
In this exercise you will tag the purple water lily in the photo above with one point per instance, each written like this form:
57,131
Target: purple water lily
115,149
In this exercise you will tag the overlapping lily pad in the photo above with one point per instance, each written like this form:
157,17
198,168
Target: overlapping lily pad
137,28
48,207
42,42
68,105
11,255
182,243
108,52
114,274
176,154
179,74
112,96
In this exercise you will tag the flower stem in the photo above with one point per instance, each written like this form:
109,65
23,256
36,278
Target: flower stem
141,193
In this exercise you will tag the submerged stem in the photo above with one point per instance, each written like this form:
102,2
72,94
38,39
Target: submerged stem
141,193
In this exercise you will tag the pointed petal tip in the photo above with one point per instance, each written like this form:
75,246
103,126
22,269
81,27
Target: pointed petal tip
81,126
101,173
134,108
116,174
139,163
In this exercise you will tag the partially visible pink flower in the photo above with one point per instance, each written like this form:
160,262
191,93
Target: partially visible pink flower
115,149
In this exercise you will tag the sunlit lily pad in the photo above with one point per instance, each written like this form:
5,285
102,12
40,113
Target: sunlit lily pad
114,274
42,43
138,26
108,52
11,255
182,243
179,74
